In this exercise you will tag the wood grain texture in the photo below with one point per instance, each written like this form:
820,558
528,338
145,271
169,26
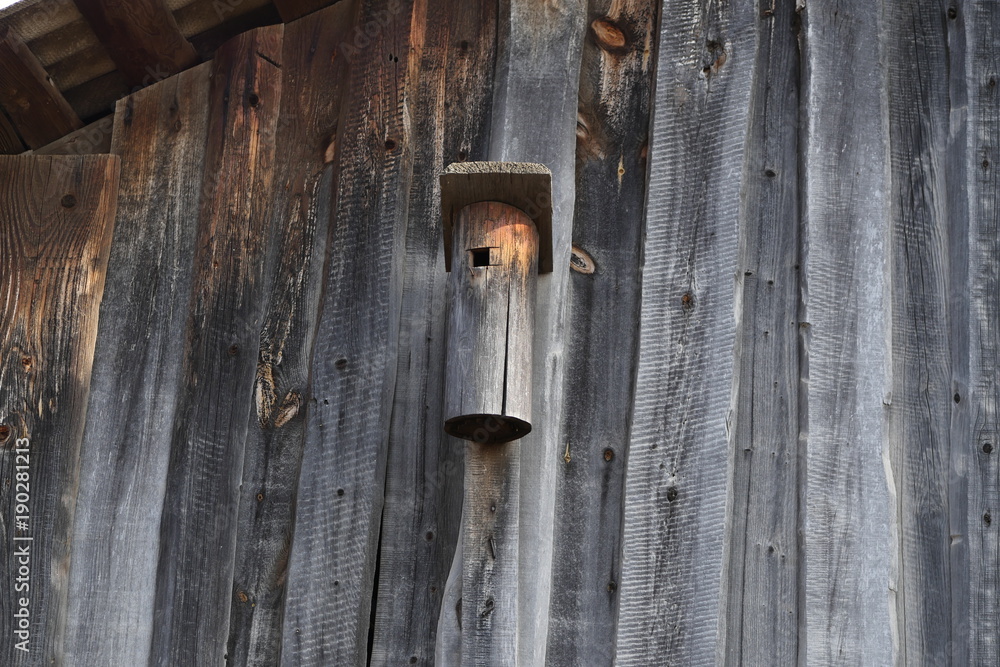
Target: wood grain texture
339,505
762,576
424,474
490,347
91,139
160,135
289,10
848,547
981,448
314,77
37,109
615,93
923,396
141,36
10,140
199,518
534,120
56,220
676,476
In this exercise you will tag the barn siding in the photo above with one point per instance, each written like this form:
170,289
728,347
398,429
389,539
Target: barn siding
765,385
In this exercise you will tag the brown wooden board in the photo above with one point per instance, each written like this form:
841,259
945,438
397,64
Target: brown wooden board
160,135
339,505
677,470
615,91
848,549
230,276
56,220
423,489
923,220
762,577
313,83
10,140
295,9
979,450
37,109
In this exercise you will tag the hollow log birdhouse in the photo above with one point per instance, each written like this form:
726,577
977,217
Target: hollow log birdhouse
497,235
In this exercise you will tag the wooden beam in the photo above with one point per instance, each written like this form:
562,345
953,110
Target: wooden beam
141,37
37,109
56,220
294,9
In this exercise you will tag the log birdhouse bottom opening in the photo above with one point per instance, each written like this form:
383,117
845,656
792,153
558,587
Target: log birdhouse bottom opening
487,428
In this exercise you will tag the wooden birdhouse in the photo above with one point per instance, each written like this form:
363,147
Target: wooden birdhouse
498,238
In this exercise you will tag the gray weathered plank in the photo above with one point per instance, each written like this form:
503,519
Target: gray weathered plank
848,548
313,81
982,447
423,489
534,120
762,554
198,521
339,504
160,135
920,414
56,221
676,476
602,339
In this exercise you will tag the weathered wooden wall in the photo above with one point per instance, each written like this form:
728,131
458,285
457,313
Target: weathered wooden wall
765,393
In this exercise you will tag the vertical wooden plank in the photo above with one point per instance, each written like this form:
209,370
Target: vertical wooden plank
676,477
56,221
919,114
982,449
160,134
339,504
423,489
958,160
762,553
848,547
10,140
198,525
616,83
313,82
534,120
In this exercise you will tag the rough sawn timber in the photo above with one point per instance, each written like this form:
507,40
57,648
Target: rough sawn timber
160,136
616,83
677,472
762,578
848,547
198,522
314,77
339,504
56,221
423,488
